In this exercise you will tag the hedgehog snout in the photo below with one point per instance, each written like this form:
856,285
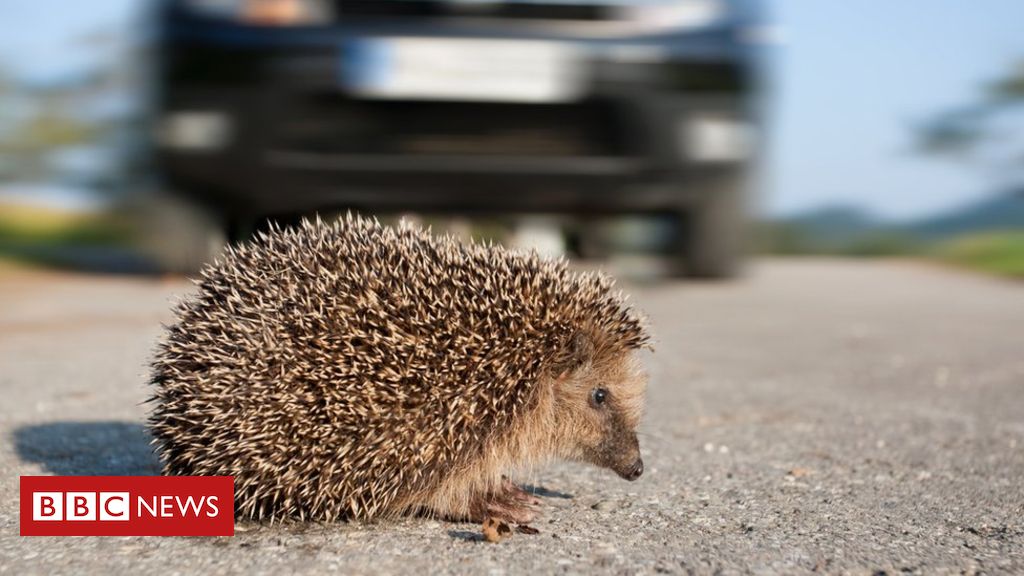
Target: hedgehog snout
622,455
632,470
636,471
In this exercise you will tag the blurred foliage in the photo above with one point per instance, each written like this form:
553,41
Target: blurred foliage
39,236
33,226
1009,87
886,244
963,131
1000,252
50,127
996,252
784,239
92,112
26,147
792,239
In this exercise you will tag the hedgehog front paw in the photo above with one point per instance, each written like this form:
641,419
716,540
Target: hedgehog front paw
511,504
514,492
511,511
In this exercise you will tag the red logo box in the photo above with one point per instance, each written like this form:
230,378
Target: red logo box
127,506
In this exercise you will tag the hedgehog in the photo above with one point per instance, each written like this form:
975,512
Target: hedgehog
354,370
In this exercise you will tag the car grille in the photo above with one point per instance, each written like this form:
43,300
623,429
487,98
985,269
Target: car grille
334,124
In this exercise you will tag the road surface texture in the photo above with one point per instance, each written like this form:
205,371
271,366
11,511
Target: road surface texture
817,416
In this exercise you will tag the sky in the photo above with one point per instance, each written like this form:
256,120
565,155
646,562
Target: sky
854,77
43,38
850,80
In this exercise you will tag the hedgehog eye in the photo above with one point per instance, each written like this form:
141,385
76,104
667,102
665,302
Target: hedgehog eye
599,396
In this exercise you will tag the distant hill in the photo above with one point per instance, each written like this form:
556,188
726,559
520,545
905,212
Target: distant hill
846,229
832,227
1000,212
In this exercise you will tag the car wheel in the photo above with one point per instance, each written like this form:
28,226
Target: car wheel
589,240
713,233
177,235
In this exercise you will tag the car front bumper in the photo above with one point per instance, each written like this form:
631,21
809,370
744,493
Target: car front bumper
259,118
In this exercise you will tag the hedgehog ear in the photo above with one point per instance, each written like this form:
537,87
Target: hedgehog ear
578,352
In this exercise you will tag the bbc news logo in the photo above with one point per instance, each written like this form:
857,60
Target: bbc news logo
116,506
127,506
50,506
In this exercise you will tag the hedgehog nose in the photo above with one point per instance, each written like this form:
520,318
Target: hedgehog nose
636,470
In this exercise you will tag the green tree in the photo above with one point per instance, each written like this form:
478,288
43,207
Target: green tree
977,131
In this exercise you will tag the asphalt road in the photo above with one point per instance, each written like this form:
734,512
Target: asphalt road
819,415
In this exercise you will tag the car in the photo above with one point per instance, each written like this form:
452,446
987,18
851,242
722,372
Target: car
274,108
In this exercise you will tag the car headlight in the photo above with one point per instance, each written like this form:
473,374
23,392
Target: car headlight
265,12
660,15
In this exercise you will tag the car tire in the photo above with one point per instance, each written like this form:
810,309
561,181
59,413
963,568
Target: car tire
589,240
178,236
713,233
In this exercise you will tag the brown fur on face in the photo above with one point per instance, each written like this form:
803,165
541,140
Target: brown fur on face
564,424
602,434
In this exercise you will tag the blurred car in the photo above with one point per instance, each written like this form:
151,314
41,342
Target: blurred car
271,108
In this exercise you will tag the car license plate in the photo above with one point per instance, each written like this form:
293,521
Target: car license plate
463,69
